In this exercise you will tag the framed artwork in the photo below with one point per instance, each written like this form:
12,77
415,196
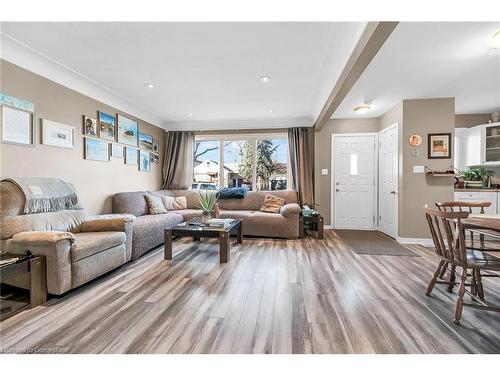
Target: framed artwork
17,103
156,146
439,146
155,158
130,156
107,126
128,131
57,134
145,141
18,126
89,126
117,151
144,161
95,149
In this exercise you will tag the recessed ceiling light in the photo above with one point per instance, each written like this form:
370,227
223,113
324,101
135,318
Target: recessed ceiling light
149,85
270,111
495,40
362,109
265,79
189,114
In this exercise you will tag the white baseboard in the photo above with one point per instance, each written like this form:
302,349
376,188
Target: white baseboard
427,242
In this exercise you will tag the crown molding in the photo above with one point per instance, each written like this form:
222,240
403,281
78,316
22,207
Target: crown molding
238,124
22,55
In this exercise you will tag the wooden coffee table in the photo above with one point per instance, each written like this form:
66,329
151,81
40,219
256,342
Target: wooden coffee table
197,232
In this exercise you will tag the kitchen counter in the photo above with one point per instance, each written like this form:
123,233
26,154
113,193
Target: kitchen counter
480,190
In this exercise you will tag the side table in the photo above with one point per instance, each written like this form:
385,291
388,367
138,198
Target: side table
314,223
35,267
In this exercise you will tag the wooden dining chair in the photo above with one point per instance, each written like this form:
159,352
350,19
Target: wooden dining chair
448,236
459,206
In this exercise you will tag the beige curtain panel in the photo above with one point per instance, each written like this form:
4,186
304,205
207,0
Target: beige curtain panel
178,160
300,144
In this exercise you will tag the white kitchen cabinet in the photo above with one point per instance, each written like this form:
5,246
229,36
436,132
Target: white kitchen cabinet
476,146
479,196
460,148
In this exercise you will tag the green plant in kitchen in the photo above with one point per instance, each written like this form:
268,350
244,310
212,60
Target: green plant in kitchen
476,174
477,177
207,200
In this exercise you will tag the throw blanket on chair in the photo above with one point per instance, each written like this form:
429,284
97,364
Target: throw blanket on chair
45,194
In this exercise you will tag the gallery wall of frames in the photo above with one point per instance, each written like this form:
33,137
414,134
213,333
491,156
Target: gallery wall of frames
105,136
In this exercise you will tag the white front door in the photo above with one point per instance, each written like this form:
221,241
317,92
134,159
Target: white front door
388,181
354,181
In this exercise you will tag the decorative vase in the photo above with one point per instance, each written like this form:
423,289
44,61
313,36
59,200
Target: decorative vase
205,216
495,116
474,184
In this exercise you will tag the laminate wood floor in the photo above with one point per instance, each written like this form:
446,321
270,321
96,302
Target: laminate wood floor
275,296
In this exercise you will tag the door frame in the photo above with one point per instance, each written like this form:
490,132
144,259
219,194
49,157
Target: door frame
375,177
396,126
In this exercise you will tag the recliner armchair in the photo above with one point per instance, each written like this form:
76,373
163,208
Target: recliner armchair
77,247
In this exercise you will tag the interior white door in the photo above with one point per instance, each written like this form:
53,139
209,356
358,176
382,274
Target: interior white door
388,181
354,181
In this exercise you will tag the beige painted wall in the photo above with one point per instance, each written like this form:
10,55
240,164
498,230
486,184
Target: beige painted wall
95,181
423,116
322,156
468,120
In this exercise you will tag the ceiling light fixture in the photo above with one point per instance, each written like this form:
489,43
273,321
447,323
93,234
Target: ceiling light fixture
189,114
495,40
270,111
265,79
362,109
149,85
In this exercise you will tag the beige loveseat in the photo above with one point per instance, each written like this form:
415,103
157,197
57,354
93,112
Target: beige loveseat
77,247
148,229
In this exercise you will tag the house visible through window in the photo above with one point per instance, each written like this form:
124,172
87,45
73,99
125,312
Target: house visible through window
254,162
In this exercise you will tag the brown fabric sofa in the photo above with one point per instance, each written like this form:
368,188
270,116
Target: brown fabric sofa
148,229
78,247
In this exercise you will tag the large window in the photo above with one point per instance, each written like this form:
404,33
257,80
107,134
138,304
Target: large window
254,162
206,165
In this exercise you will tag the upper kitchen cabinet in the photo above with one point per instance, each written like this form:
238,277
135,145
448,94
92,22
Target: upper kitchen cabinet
479,145
492,149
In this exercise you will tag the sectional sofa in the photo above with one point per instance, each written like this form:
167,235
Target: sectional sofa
148,229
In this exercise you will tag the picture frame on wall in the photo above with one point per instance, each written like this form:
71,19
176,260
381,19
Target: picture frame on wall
131,155
145,141
107,126
439,146
156,146
89,126
17,126
117,150
128,131
144,161
96,149
57,134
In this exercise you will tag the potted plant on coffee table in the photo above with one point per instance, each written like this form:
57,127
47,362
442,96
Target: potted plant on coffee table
207,200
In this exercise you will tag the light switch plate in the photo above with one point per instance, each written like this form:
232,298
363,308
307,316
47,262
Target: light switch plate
324,172
418,169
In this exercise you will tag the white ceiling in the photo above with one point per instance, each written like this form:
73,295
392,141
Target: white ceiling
426,60
211,70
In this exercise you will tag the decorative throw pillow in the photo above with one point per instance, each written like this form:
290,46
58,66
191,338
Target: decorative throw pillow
155,205
174,203
230,193
272,204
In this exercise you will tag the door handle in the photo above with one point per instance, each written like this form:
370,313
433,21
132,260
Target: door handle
337,189
393,191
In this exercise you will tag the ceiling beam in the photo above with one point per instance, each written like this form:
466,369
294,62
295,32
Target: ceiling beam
370,42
